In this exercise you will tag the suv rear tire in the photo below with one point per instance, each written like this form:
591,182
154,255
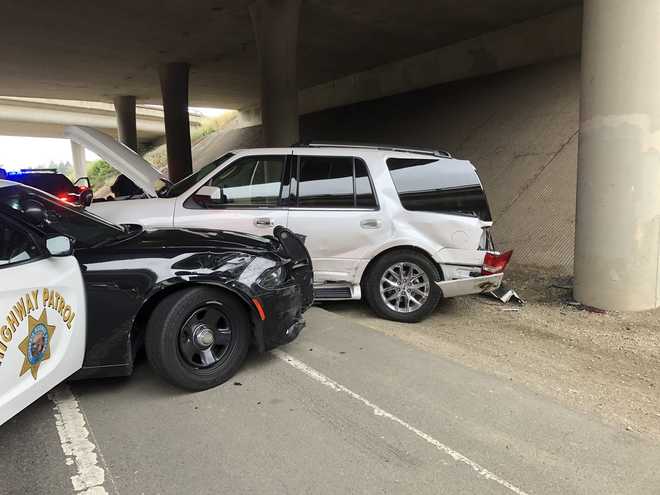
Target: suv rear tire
400,286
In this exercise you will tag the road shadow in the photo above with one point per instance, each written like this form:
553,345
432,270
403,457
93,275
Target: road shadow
149,385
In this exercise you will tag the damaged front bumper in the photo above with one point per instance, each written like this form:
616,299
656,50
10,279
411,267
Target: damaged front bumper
470,285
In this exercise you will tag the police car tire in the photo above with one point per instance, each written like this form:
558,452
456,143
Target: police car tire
371,285
161,339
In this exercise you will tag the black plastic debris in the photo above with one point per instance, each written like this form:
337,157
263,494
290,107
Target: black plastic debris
583,307
506,295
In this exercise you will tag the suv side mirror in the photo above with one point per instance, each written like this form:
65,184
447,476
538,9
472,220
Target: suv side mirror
59,245
208,195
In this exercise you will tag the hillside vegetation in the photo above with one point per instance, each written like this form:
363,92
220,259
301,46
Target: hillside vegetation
158,155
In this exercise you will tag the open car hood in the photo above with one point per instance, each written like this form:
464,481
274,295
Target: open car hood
120,157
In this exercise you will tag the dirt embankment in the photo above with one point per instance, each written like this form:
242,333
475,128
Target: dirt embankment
603,364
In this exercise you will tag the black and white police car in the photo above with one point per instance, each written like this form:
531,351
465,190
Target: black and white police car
79,296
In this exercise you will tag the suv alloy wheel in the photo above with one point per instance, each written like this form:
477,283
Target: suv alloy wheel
401,286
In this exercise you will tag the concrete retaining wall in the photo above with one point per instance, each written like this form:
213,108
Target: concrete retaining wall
519,128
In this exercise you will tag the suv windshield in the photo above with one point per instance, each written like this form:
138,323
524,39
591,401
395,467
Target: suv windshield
186,183
88,230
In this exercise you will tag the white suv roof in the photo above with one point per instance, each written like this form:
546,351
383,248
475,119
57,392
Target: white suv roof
379,147
359,148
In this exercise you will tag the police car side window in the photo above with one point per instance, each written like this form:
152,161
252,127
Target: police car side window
15,245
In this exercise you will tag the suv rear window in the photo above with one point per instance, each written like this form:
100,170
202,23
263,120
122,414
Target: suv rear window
443,186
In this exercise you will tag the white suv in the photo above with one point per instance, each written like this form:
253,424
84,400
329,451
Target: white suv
400,227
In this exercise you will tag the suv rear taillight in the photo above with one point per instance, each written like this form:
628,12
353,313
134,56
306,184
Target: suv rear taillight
495,263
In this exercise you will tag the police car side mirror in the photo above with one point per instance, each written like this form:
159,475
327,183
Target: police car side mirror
59,245
34,212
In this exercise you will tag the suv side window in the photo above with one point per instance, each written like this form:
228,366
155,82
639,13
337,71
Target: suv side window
325,182
333,182
250,181
16,246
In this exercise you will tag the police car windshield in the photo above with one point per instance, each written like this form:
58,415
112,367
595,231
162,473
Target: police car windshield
87,229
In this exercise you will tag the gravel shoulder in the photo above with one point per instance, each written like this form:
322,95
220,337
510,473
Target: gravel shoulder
602,364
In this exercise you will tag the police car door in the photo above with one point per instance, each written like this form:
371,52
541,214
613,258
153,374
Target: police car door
42,315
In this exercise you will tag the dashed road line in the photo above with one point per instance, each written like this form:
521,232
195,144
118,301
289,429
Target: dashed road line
75,442
457,456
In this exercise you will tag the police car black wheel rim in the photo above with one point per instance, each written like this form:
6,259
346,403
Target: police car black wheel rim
205,338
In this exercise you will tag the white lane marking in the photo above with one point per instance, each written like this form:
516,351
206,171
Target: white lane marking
457,456
77,448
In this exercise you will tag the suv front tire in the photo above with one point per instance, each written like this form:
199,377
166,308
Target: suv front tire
401,286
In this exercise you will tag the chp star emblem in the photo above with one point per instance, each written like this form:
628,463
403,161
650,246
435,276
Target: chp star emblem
36,346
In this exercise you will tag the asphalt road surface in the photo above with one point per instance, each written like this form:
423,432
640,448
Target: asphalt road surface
344,409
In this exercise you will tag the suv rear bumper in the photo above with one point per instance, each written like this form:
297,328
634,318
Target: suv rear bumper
470,285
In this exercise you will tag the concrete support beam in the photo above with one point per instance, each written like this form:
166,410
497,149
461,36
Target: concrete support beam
618,204
79,162
275,24
174,89
126,122
529,42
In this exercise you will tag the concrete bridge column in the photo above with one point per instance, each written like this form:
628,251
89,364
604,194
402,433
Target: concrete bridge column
275,24
126,124
174,89
79,162
618,195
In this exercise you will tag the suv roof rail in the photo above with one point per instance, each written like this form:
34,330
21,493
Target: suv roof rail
373,146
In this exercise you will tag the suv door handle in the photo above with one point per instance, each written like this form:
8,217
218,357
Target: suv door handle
263,222
371,223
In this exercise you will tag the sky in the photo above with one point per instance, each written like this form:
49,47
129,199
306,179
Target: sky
28,152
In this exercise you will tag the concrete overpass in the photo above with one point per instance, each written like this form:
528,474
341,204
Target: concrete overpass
42,117
422,72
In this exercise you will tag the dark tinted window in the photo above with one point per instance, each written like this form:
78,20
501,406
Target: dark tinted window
364,193
448,186
87,229
326,182
251,181
15,245
54,184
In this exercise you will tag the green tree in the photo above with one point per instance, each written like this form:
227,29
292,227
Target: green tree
100,173
63,168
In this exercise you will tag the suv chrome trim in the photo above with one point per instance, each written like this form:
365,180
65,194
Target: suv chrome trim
373,146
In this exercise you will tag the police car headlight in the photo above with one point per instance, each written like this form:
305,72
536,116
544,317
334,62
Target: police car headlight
271,278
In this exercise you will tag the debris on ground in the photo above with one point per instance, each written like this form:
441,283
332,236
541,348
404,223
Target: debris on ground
506,295
584,307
